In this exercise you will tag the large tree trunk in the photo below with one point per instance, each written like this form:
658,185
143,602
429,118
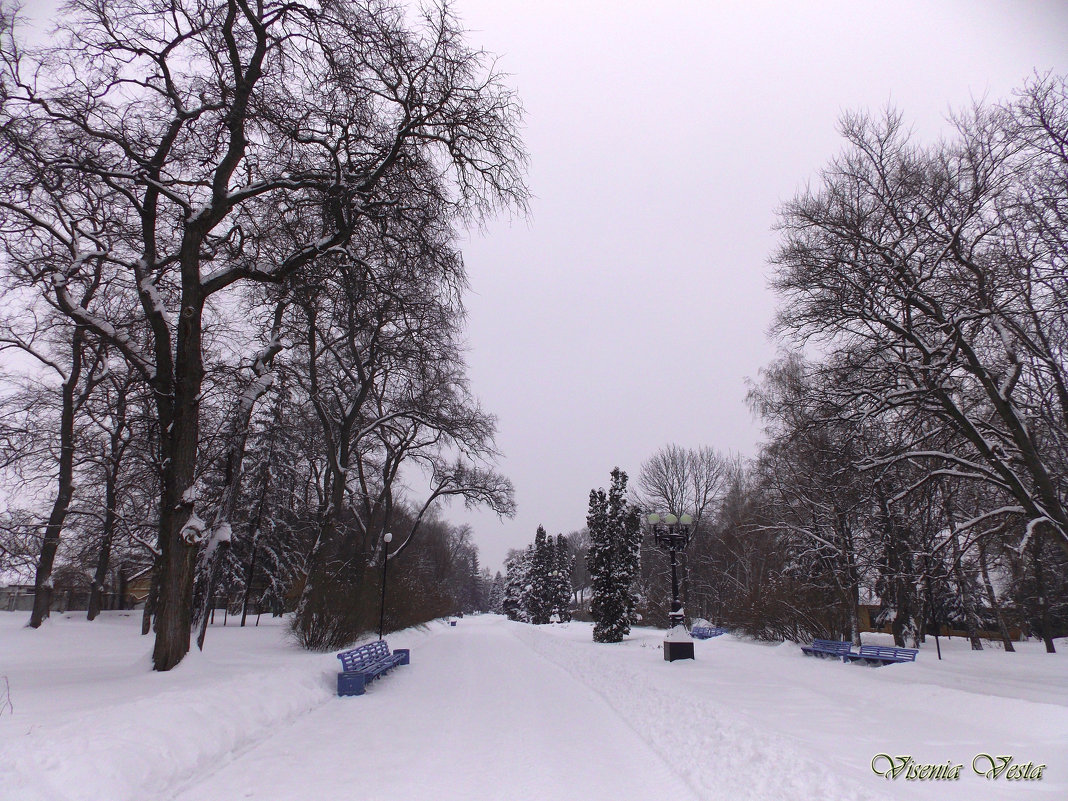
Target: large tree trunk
110,519
854,618
249,576
992,599
971,619
257,525
1040,587
180,530
42,585
111,491
173,610
853,581
219,540
151,599
898,567
315,566
122,587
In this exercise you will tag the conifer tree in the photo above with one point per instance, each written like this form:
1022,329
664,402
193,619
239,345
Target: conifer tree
612,559
563,567
515,583
539,583
537,587
496,595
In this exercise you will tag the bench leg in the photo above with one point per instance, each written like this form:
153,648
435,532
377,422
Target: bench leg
403,652
350,684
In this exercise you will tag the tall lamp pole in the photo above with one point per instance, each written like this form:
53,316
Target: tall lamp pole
387,538
672,534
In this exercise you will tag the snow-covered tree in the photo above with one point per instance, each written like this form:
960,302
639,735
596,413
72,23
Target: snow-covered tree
613,559
934,276
202,131
496,595
563,567
539,588
517,568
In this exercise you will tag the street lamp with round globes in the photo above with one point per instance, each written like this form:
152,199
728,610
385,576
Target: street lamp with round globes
387,538
672,534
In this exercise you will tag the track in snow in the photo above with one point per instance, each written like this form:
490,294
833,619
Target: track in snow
477,715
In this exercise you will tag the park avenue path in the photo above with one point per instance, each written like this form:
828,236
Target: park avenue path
494,709
478,715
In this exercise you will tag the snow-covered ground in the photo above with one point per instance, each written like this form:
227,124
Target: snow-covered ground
496,710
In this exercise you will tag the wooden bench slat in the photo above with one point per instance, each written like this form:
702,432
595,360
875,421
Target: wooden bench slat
868,654
827,648
706,632
883,655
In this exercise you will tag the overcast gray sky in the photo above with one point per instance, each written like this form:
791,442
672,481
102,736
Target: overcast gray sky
628,310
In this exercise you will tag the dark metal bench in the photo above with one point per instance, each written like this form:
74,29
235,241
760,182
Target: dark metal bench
364,664
706,632
879,655
828,649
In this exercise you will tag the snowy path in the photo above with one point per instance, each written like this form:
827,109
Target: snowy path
477,715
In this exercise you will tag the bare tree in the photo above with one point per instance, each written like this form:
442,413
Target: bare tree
378,335
219,537
679,480
78,366
115,420
919,268
808,470
199,126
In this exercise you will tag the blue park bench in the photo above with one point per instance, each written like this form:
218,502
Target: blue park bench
827,649
872,655
706,632
879,655
364,664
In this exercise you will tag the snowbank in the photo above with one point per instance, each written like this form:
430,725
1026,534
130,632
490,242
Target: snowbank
91,721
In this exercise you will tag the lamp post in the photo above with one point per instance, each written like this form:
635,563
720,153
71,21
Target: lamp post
554,576
387,538
672,534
